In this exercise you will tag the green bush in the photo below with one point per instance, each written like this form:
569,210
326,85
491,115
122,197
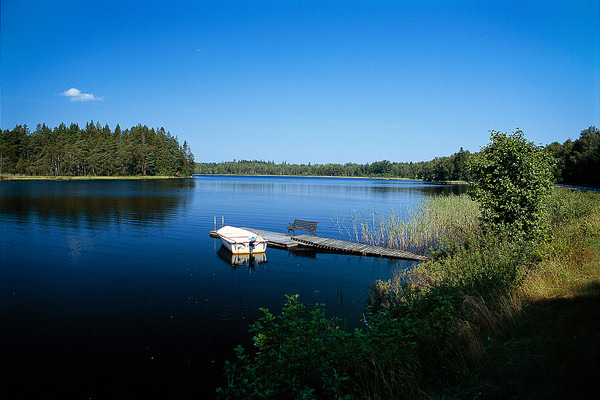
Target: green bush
511,179
298,355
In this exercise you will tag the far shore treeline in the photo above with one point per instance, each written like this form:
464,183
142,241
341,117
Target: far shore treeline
576,162
93,151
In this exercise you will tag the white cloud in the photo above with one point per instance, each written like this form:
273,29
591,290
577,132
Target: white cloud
76,95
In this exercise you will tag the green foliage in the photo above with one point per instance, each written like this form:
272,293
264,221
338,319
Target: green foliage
93,151
511,178
565,205
298,355
492,264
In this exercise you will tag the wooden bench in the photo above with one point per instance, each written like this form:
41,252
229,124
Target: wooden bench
302,225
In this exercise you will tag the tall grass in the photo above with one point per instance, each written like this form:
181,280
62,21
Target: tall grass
570,259
436,223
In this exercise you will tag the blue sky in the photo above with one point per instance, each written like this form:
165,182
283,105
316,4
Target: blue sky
306,81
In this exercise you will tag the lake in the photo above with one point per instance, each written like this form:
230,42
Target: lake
115,289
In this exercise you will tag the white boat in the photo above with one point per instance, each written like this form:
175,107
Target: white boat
241,241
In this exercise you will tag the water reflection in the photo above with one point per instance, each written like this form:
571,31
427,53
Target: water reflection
236,260
299,185
94,203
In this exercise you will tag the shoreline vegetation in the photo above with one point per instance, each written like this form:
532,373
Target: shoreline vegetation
506,308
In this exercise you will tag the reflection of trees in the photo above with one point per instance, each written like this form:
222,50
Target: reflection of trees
97,202
329,186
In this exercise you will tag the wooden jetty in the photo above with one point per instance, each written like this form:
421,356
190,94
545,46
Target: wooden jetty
356,248
285,241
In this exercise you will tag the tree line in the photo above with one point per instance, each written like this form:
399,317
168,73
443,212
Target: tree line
452,168
575,162
93,151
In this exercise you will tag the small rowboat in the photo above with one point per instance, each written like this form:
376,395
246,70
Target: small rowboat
241,241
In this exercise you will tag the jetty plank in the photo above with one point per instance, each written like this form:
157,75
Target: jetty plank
353,247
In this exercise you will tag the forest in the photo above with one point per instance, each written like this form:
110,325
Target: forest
452,168
576,162
93,151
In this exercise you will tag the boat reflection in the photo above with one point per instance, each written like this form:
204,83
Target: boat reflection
236,260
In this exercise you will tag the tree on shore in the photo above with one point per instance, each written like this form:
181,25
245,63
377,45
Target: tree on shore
511,178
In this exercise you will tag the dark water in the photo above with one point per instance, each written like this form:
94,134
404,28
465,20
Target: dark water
114,289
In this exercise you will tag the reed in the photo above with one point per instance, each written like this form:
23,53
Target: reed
437,223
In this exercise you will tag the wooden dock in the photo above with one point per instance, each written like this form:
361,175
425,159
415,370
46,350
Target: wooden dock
285,241
356,248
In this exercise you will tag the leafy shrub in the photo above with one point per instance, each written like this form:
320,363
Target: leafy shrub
299,355
511,178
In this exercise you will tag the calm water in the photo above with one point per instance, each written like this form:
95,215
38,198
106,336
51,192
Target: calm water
115,289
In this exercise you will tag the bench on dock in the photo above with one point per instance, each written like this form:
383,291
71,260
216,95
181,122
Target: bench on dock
300,224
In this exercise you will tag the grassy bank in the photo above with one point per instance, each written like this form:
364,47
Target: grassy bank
10,177
488,317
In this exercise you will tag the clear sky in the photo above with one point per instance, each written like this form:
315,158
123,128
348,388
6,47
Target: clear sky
306,81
